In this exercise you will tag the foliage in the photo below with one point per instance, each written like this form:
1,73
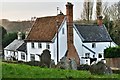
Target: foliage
25,71
8,38
112,52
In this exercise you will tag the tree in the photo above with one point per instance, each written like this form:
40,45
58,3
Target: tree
98,7
87,10
8,38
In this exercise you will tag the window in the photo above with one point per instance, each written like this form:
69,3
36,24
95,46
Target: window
87,55
39,45
63,32
99,56
47,46
32,45
23,56
93,45
32,56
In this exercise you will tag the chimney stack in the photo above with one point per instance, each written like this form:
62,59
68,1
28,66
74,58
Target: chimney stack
99,20
19,36
69,13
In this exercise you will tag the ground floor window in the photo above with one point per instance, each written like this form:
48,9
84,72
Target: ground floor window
87,55
32,57
99,55
23,56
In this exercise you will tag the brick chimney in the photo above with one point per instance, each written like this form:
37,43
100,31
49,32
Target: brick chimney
99,20
72,53
69,13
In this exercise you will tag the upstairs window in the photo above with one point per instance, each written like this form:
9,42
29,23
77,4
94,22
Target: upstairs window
32,45
63,31
93,45
39,45
47,45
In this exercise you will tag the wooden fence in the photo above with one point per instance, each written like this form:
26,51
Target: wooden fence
113,62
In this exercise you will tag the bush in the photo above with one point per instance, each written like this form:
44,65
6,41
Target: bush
113,52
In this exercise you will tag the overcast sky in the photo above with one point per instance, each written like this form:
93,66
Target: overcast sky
25,9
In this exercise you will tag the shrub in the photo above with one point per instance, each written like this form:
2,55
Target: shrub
112,52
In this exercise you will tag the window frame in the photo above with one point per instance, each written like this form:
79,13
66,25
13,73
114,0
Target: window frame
32,56
39,45
32,45
22,56
63,31
93,45
48,45
87,55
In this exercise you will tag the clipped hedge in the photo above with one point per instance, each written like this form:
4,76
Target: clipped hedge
112,52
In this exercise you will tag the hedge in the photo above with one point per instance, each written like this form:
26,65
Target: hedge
112,52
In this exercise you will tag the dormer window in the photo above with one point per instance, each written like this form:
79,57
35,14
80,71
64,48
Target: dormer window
32,45
93,45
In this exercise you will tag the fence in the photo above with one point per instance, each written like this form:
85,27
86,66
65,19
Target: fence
113,62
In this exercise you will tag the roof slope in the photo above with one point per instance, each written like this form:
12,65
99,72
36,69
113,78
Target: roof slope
45,28
22,48
14,45
93,33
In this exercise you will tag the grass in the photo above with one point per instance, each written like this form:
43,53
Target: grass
10,70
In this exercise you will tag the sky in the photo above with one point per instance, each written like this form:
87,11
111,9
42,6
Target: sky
15,10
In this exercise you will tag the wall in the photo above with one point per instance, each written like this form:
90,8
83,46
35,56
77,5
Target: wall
62,42
113,62
8,54
36,50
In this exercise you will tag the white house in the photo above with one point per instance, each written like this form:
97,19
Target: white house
43,35
11,52
90,42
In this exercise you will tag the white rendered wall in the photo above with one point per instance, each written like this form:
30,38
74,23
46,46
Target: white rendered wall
100,46
53,46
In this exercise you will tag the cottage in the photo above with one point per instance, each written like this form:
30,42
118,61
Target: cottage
90,41
11,52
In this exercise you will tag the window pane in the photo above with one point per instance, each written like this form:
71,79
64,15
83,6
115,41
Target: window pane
39,45
47,46
22,56
32,56
32,45
63,31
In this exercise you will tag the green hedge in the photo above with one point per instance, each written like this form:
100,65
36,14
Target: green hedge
113,52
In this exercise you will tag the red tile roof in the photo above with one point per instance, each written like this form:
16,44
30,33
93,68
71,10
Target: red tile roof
45,28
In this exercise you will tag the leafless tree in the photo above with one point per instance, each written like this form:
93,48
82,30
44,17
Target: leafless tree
98,7
87,10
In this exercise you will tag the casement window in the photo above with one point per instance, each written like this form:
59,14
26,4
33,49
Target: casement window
87,55
32,45
32,57
47,45
63,31
23,56
39,45
93,45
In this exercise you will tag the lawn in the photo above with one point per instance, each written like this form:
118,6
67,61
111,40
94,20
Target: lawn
10,70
